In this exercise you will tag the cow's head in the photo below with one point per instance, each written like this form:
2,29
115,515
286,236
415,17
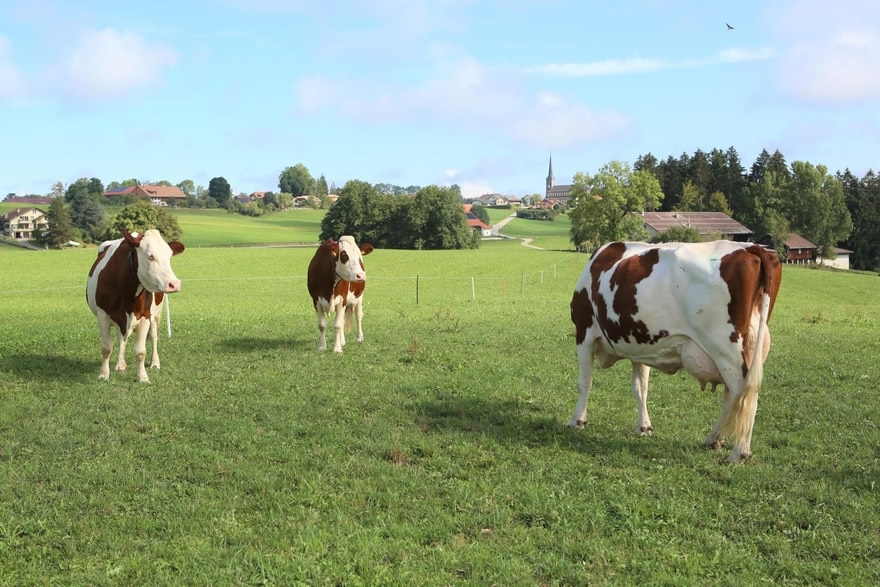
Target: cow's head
153,260
349,259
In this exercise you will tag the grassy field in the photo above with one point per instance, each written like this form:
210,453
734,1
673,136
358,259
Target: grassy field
435,453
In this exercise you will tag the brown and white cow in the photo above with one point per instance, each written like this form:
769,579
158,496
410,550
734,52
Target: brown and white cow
125,288
336,282
703,307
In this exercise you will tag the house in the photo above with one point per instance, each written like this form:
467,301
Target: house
159,195
798,250
475,223
707,223
21,223
493,200
556,194
840,261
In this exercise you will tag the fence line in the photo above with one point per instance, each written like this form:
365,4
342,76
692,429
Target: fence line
417,278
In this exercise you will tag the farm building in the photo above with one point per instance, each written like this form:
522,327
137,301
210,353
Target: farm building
707,223
159,195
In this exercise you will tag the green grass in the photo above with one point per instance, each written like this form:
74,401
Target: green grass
435,453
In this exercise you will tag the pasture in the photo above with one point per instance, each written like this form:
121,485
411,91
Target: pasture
435,453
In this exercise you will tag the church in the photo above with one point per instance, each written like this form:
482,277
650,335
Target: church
558,194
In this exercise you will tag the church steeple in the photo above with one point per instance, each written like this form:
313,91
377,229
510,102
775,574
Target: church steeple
551,181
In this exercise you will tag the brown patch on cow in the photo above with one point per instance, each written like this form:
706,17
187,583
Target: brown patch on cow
142,303
322,271
117,284
101,253
625,278
749,273
581,314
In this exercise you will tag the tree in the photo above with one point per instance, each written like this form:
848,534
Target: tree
816,208
718,203
480,212
188,187
437,221
296,180
321,189
678,234
220,191
361,212
863,202
59,228
604,204
86,207
690,198
142,216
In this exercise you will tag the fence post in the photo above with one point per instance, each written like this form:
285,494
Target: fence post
417,290
473,289
167,315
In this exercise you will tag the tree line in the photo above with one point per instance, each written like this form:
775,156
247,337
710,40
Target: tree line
430,218
772,198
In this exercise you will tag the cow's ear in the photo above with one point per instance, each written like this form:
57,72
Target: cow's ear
366,248
132,239
176,248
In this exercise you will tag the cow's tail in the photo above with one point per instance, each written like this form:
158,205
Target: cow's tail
748,399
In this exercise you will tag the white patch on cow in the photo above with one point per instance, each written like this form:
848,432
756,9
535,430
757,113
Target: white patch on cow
154,264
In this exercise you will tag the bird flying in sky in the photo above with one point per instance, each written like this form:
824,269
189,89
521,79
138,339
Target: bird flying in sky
730,28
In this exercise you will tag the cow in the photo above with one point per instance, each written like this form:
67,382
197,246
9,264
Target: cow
125,288
336,281
703,307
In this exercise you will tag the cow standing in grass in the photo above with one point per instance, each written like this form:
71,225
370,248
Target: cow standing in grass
703,307
125,288
336,282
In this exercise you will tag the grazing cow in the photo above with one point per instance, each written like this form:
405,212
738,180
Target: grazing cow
336,283
126,286
703,307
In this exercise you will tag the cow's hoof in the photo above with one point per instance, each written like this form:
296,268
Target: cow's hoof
577,424
104,377
646,431
121,367
714,444
735,458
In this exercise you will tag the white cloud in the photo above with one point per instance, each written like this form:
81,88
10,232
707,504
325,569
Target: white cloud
463,94
828,56
109,63
838,69
639,66
475,189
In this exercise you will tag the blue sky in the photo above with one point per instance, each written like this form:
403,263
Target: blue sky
418,92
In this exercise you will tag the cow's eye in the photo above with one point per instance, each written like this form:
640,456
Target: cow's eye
151,258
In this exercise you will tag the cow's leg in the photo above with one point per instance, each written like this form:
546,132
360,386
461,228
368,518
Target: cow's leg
640,375
140,349
154,338
339,329
359,316
322,329
716,437
104,326
585,382
121,363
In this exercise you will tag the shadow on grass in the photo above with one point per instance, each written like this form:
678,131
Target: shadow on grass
517,422
46,367
260,344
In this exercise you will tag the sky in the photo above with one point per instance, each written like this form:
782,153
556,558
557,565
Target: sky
421,92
